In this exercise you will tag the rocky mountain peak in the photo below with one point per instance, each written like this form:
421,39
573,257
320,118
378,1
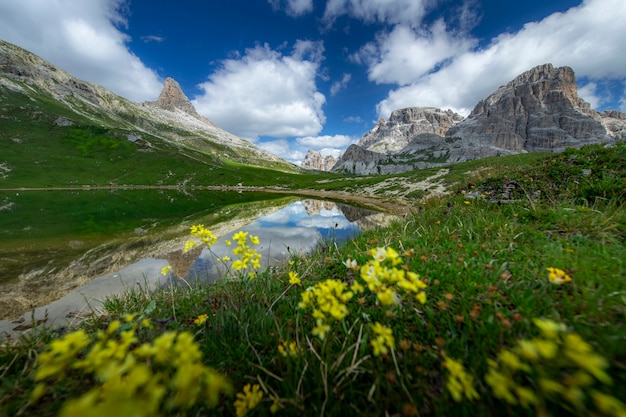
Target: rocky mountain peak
172,97
539,110
542,85
405,124
315,160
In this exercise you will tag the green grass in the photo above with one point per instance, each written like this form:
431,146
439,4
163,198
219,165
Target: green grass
484,260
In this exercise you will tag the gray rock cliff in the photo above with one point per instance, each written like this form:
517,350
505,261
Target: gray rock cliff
389,136
315,160
537,111
173,98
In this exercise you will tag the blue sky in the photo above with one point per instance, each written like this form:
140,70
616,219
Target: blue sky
293,75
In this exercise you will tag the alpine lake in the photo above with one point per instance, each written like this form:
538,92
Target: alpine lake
63,252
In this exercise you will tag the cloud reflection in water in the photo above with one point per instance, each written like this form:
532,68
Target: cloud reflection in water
297,228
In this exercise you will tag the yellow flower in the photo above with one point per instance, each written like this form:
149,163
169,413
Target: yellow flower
321,329
558,276
189,245
500,384
205,235
166,270
549,328
356,287
383,340
201,319
122,375
511,360
248,399
294,279
459,382
421,297
608,405
290,349
254,240
275,406
386,297
241,237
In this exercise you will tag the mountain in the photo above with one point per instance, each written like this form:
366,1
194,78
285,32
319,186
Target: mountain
50,120
315,160
389,136
539,110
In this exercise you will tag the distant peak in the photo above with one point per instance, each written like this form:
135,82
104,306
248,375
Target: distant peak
172,97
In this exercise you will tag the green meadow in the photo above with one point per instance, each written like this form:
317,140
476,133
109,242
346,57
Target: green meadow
504,297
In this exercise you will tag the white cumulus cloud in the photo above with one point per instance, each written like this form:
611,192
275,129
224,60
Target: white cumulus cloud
82,38
326,141
587,38
404,55
266,93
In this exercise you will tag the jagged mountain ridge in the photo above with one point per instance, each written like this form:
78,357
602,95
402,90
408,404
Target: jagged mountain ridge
315,160
389,136
537,111
171,118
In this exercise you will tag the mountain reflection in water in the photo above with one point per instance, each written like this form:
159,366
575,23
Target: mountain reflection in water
296,228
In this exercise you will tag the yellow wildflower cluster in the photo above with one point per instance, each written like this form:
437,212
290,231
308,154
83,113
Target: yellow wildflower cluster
201,319
150,379
383,340
382,277
248,399
248,256
558,367
328,300
459,382
294,279
288,349
558,276
203,234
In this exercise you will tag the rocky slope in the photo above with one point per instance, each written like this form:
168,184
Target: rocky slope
389,136
171,117
537,111
315,160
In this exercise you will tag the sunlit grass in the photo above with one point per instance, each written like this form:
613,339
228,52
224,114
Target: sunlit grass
468,306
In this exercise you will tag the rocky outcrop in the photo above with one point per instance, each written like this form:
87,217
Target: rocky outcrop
615,123
389,136
537,111
172,97
315,160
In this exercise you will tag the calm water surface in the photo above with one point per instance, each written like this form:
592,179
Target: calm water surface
63,253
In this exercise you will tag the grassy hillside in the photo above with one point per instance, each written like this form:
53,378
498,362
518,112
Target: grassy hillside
518,308
46,144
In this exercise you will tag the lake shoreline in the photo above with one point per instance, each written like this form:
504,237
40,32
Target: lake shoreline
398,207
